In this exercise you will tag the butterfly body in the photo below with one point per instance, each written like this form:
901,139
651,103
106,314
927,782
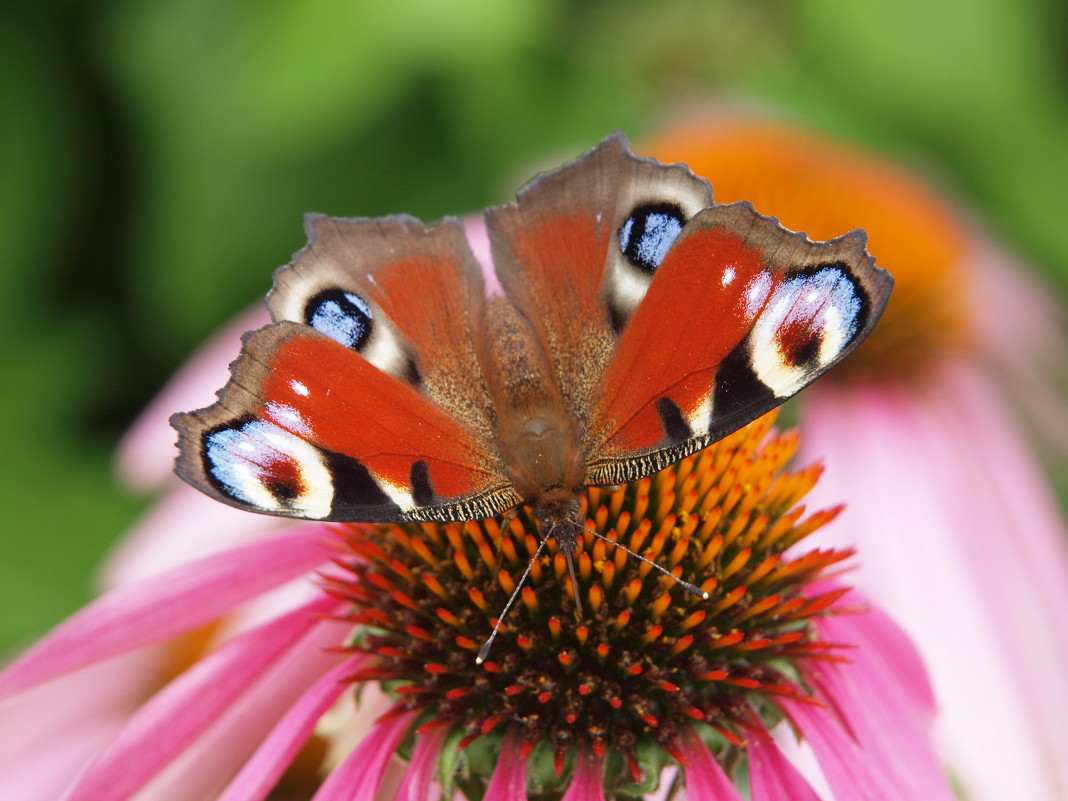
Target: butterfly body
541,443
638,322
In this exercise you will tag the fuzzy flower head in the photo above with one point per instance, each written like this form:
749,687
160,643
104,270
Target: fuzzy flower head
647,666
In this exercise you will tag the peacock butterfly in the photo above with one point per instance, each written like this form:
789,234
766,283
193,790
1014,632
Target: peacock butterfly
639,322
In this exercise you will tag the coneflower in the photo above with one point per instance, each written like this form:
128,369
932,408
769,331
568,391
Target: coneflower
650,687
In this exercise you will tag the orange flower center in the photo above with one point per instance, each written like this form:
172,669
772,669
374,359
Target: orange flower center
645,661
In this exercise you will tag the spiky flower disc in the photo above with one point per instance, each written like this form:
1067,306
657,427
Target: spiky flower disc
646,660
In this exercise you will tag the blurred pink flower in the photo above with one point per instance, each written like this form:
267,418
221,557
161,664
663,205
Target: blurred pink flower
959,535
276,628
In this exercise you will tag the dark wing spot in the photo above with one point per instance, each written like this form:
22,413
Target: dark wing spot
671,420
238,455
422,491
799,344
285,482
354,486
738,387
649,232
343,316
412,374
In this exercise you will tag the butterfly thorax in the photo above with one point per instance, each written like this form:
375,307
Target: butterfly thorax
540,439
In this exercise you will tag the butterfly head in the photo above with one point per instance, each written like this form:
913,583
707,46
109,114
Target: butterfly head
557,513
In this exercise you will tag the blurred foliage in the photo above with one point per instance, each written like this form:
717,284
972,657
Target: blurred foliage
156,158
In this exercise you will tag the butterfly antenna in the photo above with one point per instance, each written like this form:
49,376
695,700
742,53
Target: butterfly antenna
690,588
483,652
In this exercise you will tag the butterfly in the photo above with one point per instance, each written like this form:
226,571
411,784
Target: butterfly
637,323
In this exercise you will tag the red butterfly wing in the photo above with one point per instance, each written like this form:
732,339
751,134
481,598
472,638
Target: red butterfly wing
367,401
549,250
740,315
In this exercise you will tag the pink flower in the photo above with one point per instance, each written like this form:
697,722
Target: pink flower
235,654
959,535
299,620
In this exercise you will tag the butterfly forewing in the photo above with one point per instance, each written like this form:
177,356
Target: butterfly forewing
366,401
423,292
550,248
740,316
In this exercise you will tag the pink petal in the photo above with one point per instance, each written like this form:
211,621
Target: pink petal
478,239
882,704
961,573
705,779
1031,351
262,771
183,525
218,753
1032,622
509,780
47,774
359,776
146,453
849,772
419,777
1015,547
49,712
893,737
885,698
147,612
588,782
882,648
71,720
164,726
802,757
772,777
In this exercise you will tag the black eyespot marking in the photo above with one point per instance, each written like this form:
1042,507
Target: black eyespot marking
648,233
671,420
285,489
422,491
412,374
343,316
738,387
355,487
256,462
804,352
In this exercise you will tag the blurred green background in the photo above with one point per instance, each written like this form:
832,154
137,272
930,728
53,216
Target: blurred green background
156,158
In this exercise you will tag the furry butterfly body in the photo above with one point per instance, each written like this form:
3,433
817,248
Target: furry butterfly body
639,322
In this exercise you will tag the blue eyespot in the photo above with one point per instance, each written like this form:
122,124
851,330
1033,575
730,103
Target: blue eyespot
649,232
341,315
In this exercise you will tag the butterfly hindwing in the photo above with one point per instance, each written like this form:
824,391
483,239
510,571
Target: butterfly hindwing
741,315
366,400
550,246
